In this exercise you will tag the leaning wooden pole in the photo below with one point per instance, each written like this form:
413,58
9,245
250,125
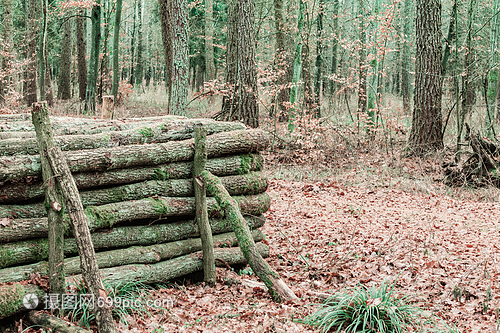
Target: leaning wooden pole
200,193
53,199
277,288
84,243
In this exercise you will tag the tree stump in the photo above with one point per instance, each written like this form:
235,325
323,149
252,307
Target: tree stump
108,107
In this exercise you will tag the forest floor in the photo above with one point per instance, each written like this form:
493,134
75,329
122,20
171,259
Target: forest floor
332,233
340,218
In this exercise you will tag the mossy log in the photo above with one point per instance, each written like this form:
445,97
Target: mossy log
89,124
251,183
11,295
173,268
225,143
57,325
106,216
132,255
144,134
221,166
4,118
277,288
11,298
34,250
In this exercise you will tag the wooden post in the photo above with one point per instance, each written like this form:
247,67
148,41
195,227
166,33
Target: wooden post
53,199
200,159
108,106
84,243
277,288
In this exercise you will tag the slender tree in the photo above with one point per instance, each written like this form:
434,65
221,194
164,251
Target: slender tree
209,43
333,83
81,51
30,88
283,60
139,70
132,46
297,69
64,85
90,96
248,109
493,68
116,48
230,100
318,82
7,21
426,131
167,31
180,60
405,72
362,100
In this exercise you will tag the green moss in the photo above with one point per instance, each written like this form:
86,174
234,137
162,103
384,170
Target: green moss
101,218
118,195
159,205
40,249
160,174
12,296
246,162
146,132
7,257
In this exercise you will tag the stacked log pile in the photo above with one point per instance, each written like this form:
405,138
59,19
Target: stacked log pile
135,182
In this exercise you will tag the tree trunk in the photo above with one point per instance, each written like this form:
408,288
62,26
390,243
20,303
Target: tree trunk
11,295
30,92
333,83
107,109
180,59
362,93
88,261
235,142
65,69
426,131
116,49
449,39
493,69
230,99
43,51
90,94
283,60
139,69
53,199
318,81
209,41
108,215
7,22
277,288
200,194
297,69
36,250
132,46
405,72
166,32
81,50
223,166
248,110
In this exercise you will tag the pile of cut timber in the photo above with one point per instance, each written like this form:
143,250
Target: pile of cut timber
135,182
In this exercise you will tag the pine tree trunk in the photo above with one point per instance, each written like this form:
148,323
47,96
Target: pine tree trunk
426,131
230,99
132,46
283,60
166,32
248,109
30,91
81,50
333,83
36,250
493,69
318,82
297,69
139,69
90,94
7,31
65,69
180,60
116,49
405,72
209,41
362,93
223,166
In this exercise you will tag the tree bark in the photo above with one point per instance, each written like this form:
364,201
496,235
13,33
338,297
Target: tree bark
30,91
362,93
139,68
248,110
405,72
102,159
142,133
209,42
107,110
53,199
283,59
426,131
167,36
297,69
55,324
200,194
180,59
65,68
82,62
88,262
116,49
36,250
224,166
230,99
277,288
106,216
90,93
